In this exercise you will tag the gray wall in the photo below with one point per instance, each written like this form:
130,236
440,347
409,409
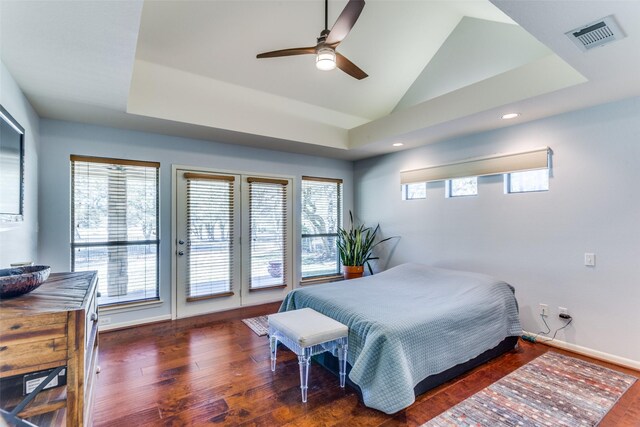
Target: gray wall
18,241
61,139
535,241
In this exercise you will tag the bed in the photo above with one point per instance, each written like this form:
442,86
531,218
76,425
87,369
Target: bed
413,326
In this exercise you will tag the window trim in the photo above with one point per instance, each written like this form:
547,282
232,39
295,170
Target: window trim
329,277
268,293
316,280
123,162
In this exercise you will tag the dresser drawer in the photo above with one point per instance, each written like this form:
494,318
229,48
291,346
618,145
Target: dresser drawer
27,342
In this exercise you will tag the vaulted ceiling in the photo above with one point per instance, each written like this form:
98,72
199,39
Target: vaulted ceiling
437,69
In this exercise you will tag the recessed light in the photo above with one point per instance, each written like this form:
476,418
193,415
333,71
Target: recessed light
398,144
510,116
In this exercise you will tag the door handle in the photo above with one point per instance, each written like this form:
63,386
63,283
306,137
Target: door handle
181,242
180,253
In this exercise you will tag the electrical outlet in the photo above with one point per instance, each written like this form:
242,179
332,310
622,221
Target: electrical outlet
590,259
104,320
544,309
563,310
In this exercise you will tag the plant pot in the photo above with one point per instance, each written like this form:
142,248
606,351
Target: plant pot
352,271
275,268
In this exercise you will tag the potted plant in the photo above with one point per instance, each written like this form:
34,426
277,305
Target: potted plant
355,246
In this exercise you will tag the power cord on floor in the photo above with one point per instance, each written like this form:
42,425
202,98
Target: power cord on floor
534,338
559,329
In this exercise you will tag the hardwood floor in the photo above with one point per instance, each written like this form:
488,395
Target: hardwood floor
207,371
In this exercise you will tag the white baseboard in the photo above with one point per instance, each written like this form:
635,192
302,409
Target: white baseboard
596,354
131,323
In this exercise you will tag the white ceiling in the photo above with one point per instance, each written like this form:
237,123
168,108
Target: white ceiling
189,68
392,41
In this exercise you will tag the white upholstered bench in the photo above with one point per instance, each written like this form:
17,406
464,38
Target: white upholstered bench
307,332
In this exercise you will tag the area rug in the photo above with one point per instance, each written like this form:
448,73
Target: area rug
552,390
259,325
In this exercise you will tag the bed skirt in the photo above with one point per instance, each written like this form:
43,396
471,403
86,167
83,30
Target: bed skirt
330,362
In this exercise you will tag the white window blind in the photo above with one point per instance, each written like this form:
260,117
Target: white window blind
321,218
268,232
490,165
115,226
210,236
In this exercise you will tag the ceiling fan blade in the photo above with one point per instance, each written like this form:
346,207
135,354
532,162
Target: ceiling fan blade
349,67
345,22
287,52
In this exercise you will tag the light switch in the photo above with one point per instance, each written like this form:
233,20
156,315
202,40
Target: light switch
590,260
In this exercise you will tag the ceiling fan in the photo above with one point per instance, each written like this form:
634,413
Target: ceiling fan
325,50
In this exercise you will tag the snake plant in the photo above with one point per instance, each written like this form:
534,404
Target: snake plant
356,244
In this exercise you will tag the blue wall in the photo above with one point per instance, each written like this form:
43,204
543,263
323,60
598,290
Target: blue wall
61,139
18,241
535,241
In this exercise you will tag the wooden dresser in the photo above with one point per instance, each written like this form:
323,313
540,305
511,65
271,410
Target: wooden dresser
55,325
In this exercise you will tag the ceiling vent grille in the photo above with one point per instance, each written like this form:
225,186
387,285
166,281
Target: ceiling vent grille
596,34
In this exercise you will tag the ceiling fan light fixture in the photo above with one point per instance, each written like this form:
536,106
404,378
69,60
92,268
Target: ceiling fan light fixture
326,59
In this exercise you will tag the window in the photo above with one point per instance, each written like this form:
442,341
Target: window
527,181
458,187
268,232
211,228
115,226
414,190
321,218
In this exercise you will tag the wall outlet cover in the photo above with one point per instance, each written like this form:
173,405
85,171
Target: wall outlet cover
589,259
544,309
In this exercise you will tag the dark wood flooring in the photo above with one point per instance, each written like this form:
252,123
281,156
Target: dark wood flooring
210,371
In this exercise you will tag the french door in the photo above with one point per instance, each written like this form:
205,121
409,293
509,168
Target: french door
233,240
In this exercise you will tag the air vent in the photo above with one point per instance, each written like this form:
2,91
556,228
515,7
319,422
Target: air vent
597,33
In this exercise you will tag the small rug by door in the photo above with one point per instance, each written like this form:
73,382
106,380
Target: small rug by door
552,390
259,325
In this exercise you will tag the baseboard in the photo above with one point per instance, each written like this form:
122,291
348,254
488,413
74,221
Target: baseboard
202,319
596,354
137,322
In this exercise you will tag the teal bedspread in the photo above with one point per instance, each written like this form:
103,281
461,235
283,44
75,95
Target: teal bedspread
410,322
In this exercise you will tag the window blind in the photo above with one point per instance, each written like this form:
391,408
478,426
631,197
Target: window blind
268,232
114,216
210,236
321,218
491,165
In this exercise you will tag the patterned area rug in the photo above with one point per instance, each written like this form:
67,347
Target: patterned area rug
259,325
552,390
